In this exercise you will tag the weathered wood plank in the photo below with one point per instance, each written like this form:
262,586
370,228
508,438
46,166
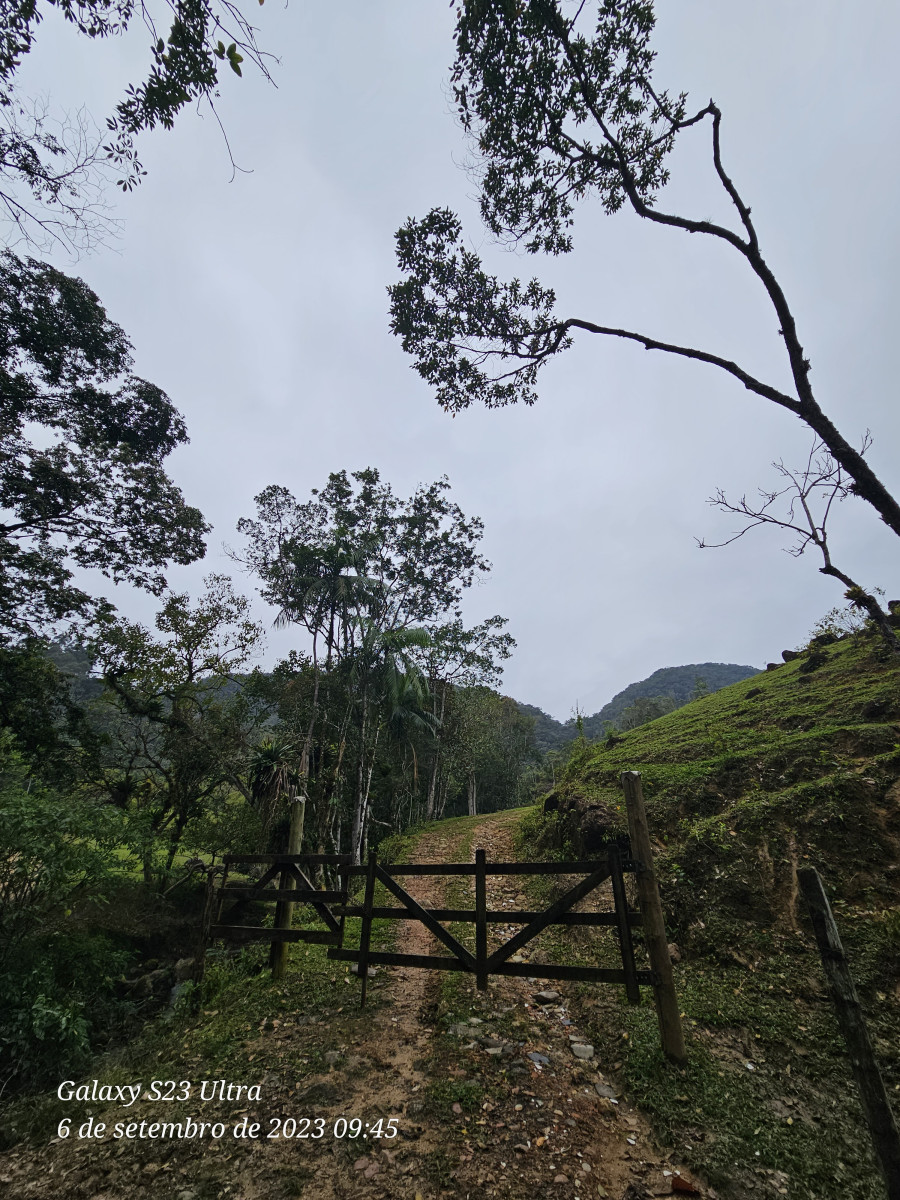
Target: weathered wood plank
427,919
852,1023
657,943
626,946
582,867
436,962
365,936
481,979
498,916
548,917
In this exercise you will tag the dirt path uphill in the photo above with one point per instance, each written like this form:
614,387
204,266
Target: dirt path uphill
488,1097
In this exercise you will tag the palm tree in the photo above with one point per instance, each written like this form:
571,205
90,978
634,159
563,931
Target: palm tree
273,776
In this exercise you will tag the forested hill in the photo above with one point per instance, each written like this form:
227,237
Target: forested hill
677,683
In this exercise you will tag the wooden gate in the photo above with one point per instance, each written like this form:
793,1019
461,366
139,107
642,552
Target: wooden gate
333,907
481,964
293,887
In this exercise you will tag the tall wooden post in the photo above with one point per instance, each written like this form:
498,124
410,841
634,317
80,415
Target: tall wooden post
667,1012
284,909
365,933
481,975
209,902
852,1023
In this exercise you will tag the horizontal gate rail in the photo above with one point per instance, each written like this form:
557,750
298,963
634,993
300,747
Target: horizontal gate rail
621,918
492,916
580,867
437,962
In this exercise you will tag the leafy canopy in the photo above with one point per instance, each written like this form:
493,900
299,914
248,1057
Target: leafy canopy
51,169
559,103
82,444
357,556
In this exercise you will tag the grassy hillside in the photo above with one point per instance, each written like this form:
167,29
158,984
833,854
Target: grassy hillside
797,766
678,683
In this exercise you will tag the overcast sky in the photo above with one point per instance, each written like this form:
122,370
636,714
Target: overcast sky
260,306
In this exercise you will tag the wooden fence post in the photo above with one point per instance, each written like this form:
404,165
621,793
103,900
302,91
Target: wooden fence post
667,1011
365,933
481,975
852,1023
209,900
284,909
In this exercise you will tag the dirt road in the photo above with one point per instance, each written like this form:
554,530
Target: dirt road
497,1105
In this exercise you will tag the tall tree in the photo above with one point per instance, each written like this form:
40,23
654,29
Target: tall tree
82,446
371,576
460,658
560,105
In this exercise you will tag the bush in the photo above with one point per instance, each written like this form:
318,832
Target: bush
55,851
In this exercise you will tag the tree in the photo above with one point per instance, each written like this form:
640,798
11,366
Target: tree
803,507
177,735
559,111
81,455
459,657
52,170
490,741
373,578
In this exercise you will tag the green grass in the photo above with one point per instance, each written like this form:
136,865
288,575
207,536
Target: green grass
741,791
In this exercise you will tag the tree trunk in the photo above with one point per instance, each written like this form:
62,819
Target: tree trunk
864,599
472,794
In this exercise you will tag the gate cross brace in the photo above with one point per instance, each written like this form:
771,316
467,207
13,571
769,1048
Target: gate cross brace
427,919
549,915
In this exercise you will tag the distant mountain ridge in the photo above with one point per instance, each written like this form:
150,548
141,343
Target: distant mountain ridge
677,682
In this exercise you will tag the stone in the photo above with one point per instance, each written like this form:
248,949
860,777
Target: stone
582,1050
332,1058
753,692
772,666
370,971
789,655
560,1179
817,659
547,997
674,952
538,1058
184,969
603,1089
